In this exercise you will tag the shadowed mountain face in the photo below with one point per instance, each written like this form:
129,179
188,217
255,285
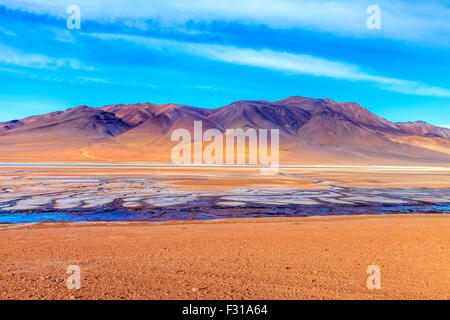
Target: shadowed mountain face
312,131
423,129
5,126
73,125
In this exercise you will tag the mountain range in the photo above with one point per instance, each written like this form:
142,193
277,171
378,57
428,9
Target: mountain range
312,132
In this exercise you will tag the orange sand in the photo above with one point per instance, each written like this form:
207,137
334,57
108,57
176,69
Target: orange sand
277,258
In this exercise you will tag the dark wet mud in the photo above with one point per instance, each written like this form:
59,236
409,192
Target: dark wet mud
204,208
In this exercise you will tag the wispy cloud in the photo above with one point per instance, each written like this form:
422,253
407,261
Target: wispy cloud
401,20
95,80
286,62
209,88
117,83
7,32
64,36
77,79
11,56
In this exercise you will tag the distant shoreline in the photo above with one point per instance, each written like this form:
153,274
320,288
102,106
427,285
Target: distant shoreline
216,166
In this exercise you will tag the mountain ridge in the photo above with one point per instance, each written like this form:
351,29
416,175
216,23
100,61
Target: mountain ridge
311,131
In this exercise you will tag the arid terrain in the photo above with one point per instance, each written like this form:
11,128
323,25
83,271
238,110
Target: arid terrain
353,190
265,258
159,233
224,150
311,132
108,193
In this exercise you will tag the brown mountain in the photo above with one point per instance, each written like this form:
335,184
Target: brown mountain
312,131
59,135
423,129
77,124
5,126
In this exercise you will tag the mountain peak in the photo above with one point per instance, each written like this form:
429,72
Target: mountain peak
422,128
310,129
294,99
82,107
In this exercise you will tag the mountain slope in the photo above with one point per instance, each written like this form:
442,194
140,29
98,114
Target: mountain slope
9,125
80,123
59,135
423,129
312,131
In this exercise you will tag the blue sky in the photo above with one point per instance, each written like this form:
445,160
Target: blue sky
209,53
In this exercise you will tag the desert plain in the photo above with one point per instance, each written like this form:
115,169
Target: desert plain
155,232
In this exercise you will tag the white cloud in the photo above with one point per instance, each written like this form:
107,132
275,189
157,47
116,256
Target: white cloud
402,20
417,88
209,88
64,36
95,80
281,61
118,83
7,32
11,56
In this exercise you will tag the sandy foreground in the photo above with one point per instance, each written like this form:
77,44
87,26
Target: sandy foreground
265,258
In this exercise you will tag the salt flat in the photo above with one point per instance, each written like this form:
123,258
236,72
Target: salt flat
204,190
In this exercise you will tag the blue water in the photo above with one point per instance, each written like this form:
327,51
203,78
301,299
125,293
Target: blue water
205,210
